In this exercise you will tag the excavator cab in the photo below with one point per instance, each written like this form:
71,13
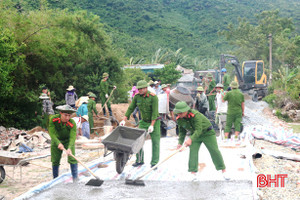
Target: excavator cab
253,72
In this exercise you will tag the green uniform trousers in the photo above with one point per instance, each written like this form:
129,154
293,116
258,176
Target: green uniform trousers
155,138
211,144
235,119
103,100
91,121
211,101
56,154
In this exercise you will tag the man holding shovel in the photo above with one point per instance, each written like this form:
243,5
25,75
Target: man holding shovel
104,87
148,105
62,130
201,131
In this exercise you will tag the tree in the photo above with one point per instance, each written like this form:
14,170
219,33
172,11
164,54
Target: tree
168,74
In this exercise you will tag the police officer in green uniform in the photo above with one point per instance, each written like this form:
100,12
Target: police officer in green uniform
148,105
62,130
209,92
192,122
105,87
226,78
92,107
236,106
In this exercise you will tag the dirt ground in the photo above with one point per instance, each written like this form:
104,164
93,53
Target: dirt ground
39,171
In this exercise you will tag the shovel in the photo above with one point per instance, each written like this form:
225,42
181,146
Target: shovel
138,182
93,182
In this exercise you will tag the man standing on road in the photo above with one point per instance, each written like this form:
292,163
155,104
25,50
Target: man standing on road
92,107
209,92
235,112
226,79
104,93
221,108
148,105
192,122
62,130
201,101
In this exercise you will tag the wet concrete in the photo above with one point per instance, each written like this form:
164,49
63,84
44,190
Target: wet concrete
153,190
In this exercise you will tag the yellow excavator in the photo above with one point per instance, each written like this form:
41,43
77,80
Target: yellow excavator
251,76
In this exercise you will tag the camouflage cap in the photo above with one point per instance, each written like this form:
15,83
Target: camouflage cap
44,96
141,84
66,109
234,84
181,107
209,75
105,75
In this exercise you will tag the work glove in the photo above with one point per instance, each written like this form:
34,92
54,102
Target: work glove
150,129
106,95
115,87
122,123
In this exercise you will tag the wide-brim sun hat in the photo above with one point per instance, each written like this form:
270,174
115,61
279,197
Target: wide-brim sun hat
181,107
219,85
141,84
200,89
85,117
163,86
44,96
70,88
234,84
66,109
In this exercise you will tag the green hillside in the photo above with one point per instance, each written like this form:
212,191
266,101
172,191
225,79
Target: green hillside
142,26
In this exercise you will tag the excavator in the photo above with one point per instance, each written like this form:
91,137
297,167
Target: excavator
251,76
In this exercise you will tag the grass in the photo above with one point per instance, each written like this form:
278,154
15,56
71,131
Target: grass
295,127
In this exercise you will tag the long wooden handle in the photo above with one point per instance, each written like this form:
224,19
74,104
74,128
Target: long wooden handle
82,164
107,99
161,162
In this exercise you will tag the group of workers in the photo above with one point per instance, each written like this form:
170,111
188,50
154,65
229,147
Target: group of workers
194,127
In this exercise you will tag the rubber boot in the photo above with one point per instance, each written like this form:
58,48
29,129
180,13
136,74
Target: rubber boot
110,112
55,171
74,171
104,112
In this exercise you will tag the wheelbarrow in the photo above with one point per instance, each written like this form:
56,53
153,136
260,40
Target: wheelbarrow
14,160
124,141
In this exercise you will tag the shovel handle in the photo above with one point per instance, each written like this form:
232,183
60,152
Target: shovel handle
82,164
161,162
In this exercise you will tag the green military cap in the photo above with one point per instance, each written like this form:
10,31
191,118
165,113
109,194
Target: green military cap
141,84
150,82
92,95
181,107
234,84
200,89
44,96
163,86
89,93
105,75
66,109
209,75
219,85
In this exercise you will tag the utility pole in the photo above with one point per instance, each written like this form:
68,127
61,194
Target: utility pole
270,57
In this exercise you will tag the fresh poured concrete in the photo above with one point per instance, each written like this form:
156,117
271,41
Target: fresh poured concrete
221,190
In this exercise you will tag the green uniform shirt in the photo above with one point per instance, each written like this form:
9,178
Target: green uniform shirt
226,81
196,123
92,106
235,99
211,86
105,86
148,105
62,133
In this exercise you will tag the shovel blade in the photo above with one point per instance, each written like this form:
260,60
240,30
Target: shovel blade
134,182
95,182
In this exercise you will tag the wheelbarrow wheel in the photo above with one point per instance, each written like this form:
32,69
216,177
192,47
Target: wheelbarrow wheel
121,160
2,174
